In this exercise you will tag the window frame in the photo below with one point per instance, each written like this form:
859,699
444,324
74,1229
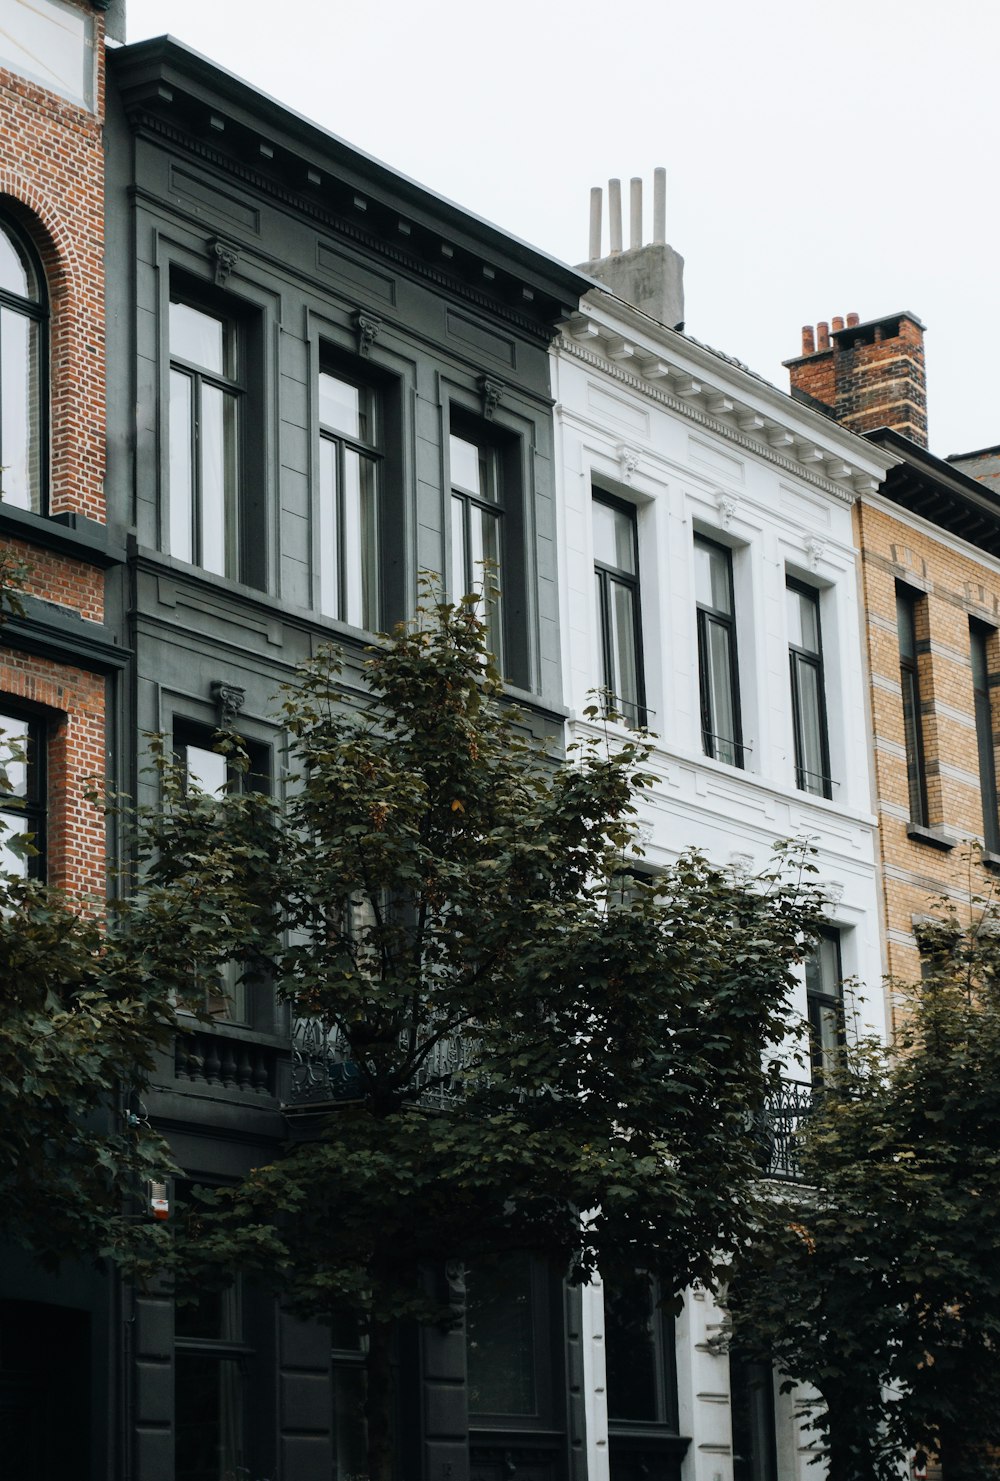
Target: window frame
751,1379
980,637
372,450
822,999
706,615
800,657
907,601
493,608
545,1349
662,1335
34,808
37,312
607,575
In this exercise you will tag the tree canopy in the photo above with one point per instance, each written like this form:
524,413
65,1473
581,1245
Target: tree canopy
545,1051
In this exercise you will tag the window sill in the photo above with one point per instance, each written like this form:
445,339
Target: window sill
70,534
991,860
933,837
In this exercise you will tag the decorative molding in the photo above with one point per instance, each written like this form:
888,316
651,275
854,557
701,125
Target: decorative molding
833,892
492,392
713,424
370,242
727,506
367,329
815,550
226,257
229,700
740,864
628,461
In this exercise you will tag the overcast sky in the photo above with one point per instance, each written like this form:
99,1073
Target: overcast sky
822,156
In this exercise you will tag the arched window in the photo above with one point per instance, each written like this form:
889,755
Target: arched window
23,405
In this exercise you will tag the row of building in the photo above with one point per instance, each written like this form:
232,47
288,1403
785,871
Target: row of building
252,383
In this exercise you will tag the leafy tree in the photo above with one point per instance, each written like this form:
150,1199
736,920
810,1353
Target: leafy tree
877,1281
545,1057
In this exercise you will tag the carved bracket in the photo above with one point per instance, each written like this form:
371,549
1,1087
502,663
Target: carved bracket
492,393
815,549
628,461
727,506
367,328
226,257
229,700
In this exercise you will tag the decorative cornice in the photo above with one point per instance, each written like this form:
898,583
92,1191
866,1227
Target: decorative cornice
535,328
694,414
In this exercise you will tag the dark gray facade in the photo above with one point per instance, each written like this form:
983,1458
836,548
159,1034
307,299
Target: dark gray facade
233,220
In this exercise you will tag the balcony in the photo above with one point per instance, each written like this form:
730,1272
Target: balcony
782,1117
323,1075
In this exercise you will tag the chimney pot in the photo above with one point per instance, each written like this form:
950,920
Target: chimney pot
659,204
853,321
808,340
615,214
596,208
822,336
635,213
838,323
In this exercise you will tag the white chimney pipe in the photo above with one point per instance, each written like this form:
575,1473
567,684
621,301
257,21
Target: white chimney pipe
615,214
596,207
659,205
635,215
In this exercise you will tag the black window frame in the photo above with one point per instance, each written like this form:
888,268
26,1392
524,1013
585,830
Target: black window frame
607,576
38,312
751,1397
33,807
800,657
245,539
545,1304
661,1329
490,449
706,616
374,449
907,602
821,998
981,638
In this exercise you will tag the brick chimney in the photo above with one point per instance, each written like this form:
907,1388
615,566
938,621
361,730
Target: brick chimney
869,375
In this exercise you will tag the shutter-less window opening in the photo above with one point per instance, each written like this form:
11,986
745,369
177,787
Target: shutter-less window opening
23,800
23,373
477,532
825,1005
350,474
913,729
981,638
718,672
805,653
616,571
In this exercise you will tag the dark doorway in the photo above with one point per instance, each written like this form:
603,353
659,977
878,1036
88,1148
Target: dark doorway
44,1391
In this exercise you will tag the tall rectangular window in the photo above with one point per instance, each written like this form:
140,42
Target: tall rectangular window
207,394
825,1005
23,798
718,673
349,492
477,531
805,654
639,1349
979,643
23,389
751,1388
210,1363
616,571
909,678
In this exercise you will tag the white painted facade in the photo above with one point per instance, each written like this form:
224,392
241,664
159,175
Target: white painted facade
697,444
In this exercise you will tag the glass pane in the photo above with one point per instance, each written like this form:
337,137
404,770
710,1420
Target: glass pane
810,739
218,479
13,824
345,408
350,1432
329,529
803,620
360,541
914,752
206,770
484,551
198,337
459,582
500,1339
20,410
16,272
14,742
52,43
208,1407
623,649
752,1389
467,467
630,1346
905,625
712,576
212,1314
181,469
823,967
614,537
721,701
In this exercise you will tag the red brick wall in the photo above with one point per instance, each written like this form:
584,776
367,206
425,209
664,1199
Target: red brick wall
52,181
871,375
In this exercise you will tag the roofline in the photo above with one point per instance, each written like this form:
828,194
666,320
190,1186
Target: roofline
978,452
169,55
839,334
961,486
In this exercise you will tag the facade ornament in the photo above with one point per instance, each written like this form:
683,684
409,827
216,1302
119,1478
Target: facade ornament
740,864
833,893
727,507
492,393
628,459
367,328
229,700
226,257
815,550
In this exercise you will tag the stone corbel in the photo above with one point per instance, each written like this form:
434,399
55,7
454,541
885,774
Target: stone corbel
367,328
492,393
628,461
815,550
225,256
229,700
727,507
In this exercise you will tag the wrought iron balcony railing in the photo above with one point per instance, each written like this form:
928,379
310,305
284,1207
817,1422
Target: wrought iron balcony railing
323,1072
784,1113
